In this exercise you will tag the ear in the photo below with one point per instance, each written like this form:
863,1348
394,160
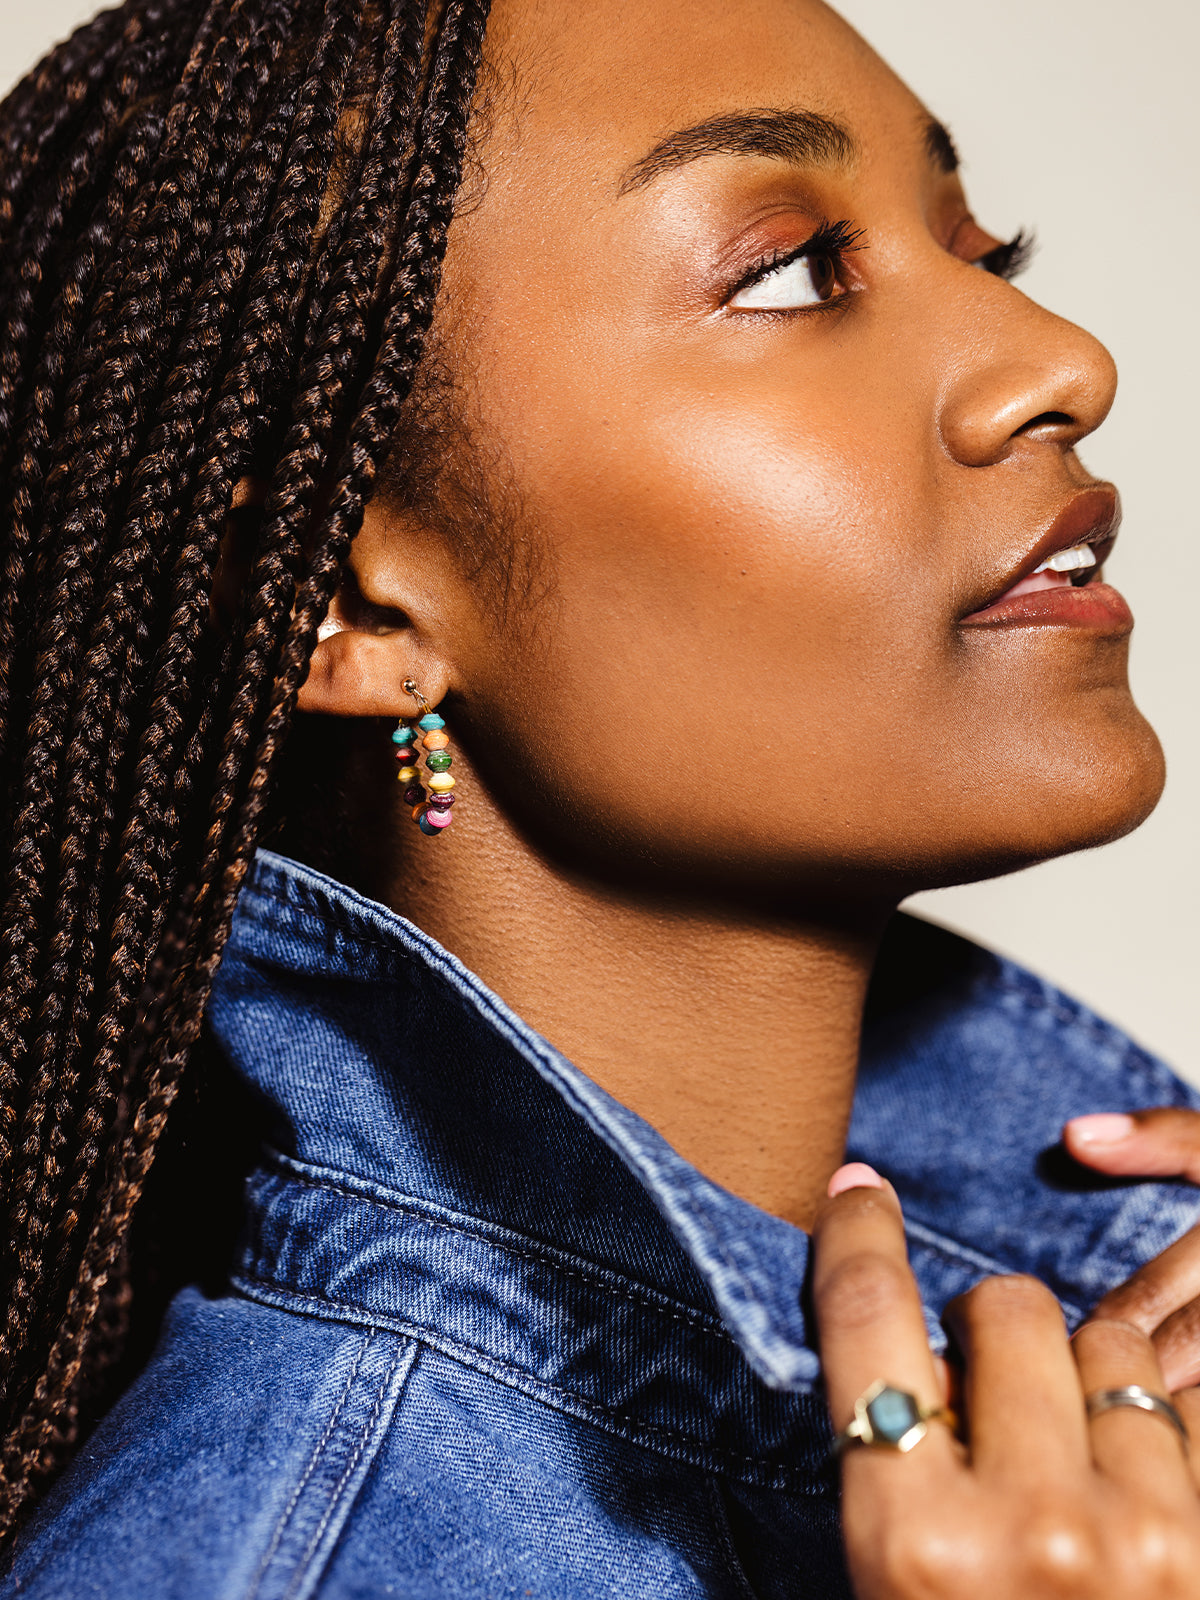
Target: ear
394,618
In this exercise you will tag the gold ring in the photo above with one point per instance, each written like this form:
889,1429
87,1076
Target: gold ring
1133,1396
887,1418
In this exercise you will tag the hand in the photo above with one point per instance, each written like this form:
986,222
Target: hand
1163,1298
1039,1504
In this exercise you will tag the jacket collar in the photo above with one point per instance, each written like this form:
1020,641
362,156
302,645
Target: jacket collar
383,1060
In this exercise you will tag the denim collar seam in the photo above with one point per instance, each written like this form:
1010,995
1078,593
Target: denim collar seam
1035,995
964,1255
695,1452
473,997
599,1277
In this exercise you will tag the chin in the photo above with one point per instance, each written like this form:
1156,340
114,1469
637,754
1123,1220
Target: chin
1083,794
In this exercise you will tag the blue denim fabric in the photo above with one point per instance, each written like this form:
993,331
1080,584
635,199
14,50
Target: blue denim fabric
490,1336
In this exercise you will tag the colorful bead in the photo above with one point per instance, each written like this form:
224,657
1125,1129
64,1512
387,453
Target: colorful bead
431,809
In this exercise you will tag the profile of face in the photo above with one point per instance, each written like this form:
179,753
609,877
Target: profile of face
776,447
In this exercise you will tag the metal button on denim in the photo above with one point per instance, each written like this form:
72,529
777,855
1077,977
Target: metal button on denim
488,1334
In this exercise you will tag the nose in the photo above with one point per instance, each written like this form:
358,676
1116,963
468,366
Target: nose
1030,377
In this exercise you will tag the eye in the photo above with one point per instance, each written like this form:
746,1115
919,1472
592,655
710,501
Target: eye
809,276
805,280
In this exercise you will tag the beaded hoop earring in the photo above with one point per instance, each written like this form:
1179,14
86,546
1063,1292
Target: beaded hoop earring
432,812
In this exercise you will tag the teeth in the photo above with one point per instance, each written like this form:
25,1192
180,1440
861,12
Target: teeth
1075,559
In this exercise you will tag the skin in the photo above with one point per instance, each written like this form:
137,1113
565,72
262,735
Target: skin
732,715
1032,1501
735,719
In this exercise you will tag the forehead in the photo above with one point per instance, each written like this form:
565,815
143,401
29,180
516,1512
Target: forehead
594,83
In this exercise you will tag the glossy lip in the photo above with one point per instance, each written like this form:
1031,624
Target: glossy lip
1092,517
1096,606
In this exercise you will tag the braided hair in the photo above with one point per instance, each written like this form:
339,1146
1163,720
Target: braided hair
222,225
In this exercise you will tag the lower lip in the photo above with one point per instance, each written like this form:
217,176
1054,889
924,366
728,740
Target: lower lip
1097,606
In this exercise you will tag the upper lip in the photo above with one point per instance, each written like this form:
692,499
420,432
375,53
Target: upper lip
1090,517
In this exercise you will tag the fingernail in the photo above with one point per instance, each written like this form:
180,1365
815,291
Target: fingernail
854,1175
1102,1127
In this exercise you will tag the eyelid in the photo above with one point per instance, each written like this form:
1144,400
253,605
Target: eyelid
836,239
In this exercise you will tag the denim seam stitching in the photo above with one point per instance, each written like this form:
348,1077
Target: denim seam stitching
1131,1054
621,1287
480,1003
477,1360
964,1255
295,894
305,1563
313,1460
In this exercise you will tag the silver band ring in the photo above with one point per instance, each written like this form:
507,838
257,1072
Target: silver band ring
1136,1398
887,1418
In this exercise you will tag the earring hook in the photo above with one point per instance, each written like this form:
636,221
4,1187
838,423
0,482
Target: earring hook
423,705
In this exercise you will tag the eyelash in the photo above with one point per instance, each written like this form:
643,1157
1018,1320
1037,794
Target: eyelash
1009,260
833,239
837,239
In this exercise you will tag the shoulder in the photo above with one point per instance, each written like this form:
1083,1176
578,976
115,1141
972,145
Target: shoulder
970,1067
233,1459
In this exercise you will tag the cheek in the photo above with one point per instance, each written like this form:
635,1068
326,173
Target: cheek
750,658
742,622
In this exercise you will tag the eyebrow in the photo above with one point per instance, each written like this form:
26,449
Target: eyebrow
803,138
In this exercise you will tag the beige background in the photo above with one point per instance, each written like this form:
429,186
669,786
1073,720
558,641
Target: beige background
1080,117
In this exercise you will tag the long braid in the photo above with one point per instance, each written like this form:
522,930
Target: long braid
150,281
49,99
32,508
115,136
155,365
58,804
92,769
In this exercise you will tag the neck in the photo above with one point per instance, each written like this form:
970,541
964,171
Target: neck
733,1031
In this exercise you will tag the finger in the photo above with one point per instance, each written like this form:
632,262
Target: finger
1163,1143
1158,1289
1138,1449
868,1309
1177,1345
1187,1403
1023,1400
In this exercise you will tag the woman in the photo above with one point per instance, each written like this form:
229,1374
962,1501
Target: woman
628,419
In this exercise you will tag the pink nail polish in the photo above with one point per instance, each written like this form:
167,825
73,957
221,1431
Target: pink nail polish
854,1175
1103,1127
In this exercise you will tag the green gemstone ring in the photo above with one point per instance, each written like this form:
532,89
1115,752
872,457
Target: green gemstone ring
887,1418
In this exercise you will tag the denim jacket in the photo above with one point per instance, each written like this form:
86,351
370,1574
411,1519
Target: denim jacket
490,1336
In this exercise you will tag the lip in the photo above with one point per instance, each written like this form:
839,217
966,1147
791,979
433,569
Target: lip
1094,605
1090,517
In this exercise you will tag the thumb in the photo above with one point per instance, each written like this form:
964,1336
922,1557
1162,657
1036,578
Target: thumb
1145,1144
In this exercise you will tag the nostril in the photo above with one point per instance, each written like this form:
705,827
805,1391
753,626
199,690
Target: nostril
1046,422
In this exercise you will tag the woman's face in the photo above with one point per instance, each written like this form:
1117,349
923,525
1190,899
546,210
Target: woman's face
773,507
